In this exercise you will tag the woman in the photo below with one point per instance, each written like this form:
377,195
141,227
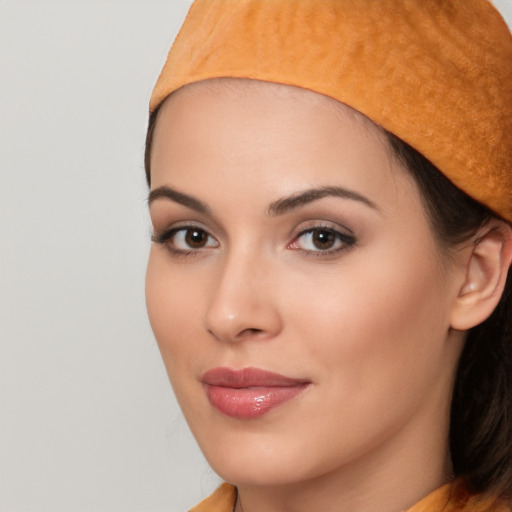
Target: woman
331,302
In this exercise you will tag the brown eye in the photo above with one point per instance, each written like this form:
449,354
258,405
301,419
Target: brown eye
196,238
186,239
323,239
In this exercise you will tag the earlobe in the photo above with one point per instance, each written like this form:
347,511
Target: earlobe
486,271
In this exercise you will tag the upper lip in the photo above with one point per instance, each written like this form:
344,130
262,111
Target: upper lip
247,378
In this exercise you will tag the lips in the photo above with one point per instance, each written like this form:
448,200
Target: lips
249,393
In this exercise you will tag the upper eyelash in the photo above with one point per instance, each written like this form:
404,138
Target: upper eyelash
345,237
348,240
164,236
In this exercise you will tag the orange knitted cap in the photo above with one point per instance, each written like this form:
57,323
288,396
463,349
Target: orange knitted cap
436,73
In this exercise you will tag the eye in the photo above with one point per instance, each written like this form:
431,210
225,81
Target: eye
322,240
192,238
186,239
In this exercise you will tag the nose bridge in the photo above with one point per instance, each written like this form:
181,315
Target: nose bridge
242,306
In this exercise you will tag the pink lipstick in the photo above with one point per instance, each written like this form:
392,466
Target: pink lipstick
250,392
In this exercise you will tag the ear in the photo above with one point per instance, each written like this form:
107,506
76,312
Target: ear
486,267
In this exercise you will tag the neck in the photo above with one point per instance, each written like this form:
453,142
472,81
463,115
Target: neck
390,479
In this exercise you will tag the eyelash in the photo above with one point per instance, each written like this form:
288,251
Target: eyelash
166,237
344,241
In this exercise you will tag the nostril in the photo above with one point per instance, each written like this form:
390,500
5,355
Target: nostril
250,333
244,334
234,315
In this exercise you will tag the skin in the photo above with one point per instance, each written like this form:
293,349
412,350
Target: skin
369,326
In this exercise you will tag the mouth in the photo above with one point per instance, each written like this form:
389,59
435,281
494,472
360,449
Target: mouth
249,393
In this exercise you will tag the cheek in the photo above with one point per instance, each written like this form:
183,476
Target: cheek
375,327
173,305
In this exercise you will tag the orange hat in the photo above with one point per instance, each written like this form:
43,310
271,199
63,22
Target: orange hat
436,73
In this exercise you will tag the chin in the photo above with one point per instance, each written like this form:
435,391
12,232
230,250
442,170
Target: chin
259,473
263,459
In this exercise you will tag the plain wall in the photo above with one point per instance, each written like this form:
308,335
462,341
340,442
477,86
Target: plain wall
88,421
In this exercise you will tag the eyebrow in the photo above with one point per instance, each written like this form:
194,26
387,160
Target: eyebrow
300,199
279,207
178,197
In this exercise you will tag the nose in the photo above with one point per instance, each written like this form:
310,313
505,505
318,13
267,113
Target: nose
243,304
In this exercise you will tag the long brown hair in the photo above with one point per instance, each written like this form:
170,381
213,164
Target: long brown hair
481,412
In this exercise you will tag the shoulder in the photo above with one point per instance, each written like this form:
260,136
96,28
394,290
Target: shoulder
456,497
222,500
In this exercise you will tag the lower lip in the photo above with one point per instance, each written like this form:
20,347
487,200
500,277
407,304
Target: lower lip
252,402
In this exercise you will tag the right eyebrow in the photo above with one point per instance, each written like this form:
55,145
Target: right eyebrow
301,199
166,192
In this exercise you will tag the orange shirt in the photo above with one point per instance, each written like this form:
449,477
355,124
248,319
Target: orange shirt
452,497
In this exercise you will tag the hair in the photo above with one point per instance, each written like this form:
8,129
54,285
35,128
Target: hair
481,410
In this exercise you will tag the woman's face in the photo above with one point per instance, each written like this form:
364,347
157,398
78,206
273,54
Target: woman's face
299,299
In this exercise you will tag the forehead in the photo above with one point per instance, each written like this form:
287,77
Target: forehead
239,146
241,90
262,122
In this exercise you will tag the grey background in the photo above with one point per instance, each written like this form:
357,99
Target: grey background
88,421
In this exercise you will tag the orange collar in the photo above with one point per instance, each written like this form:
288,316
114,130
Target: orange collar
452,497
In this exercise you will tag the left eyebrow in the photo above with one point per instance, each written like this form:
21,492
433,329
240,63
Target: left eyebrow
286,204
178,197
